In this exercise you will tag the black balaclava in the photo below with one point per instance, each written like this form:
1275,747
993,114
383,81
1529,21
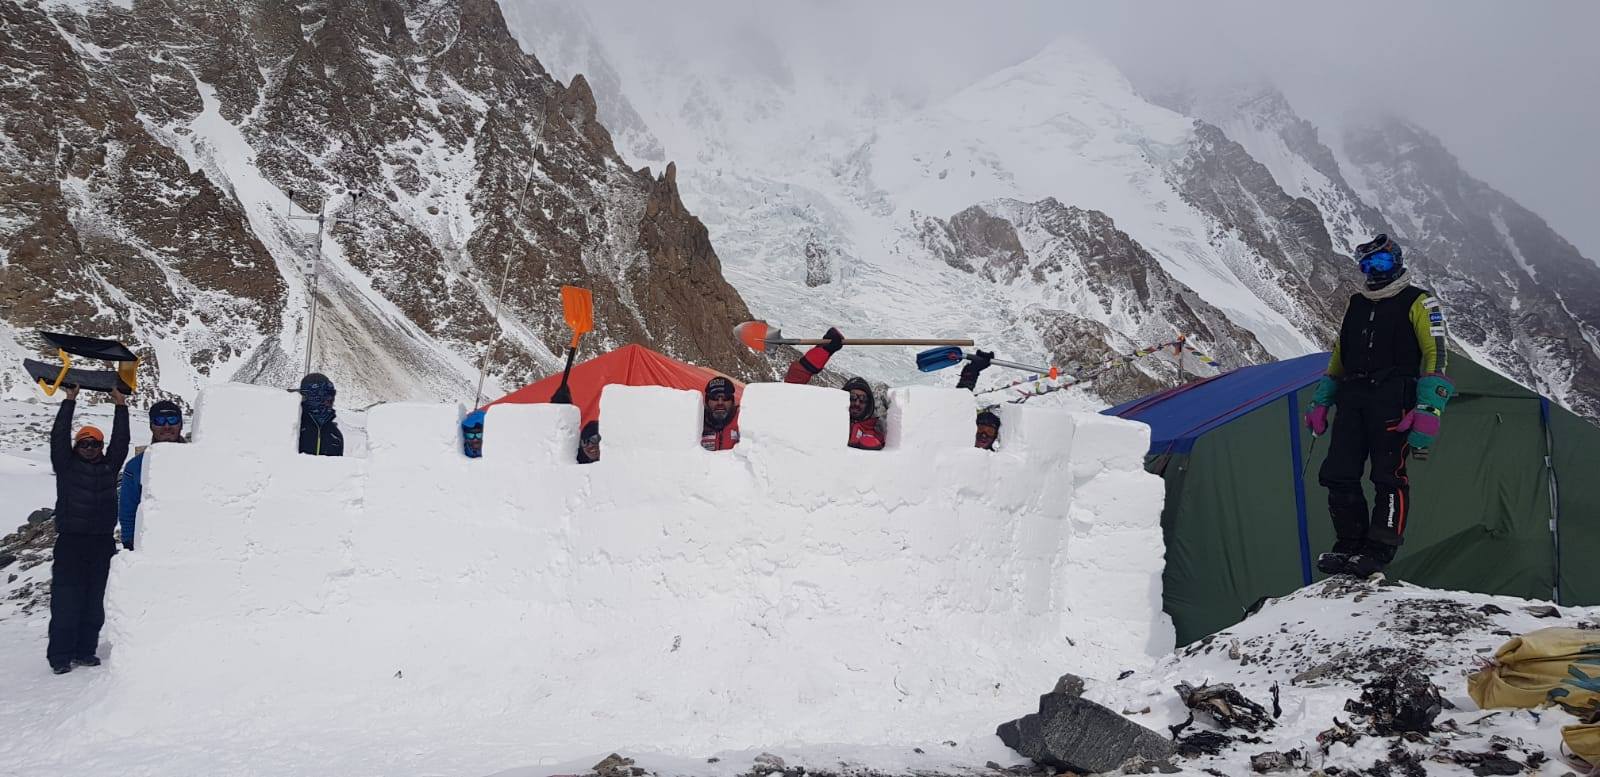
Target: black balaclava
854,384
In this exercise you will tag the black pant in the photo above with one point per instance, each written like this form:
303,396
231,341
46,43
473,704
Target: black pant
1363,429
77,595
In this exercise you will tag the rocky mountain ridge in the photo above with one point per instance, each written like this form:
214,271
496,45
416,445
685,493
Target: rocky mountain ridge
153,153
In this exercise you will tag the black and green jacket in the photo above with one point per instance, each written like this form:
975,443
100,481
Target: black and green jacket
1398,334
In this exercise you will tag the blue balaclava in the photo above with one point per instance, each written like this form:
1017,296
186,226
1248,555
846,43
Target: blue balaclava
316,397
472,434
1381,261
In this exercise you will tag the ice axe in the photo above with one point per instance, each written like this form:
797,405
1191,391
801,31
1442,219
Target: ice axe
935,359
577,306
758,336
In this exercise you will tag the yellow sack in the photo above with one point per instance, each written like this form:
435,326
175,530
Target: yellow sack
1548,666
1583,742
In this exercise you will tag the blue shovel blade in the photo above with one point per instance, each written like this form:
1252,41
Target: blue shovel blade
935,359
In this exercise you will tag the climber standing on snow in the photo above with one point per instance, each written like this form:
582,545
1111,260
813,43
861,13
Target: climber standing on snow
864,432
1387,381
86,512
319,433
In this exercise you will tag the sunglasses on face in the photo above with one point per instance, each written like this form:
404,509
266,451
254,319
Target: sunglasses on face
595,440
166,420
473,433
1382,261
719,397
89,443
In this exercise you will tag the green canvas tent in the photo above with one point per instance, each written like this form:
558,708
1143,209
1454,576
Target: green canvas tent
1508,502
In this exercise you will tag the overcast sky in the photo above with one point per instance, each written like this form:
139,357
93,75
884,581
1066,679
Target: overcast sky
1512,88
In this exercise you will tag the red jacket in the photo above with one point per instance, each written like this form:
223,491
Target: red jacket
714,439
864,433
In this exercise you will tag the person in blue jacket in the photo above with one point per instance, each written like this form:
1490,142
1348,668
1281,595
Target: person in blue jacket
166,425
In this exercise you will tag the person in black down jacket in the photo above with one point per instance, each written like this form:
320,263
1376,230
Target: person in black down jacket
86,514
319,433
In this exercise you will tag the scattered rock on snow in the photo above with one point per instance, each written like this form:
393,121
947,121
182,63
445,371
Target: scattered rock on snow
1069,684
1542,611
617,766
1395,704
1274,761
1225,705
1073,733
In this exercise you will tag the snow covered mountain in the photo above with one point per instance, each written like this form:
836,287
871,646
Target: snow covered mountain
1521,297
151,154
1051,210
831,203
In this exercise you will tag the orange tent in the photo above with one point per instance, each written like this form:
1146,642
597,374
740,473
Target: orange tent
630,365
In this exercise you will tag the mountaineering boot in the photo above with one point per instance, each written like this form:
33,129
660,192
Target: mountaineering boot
61,668
87,661
1364,565
1334,563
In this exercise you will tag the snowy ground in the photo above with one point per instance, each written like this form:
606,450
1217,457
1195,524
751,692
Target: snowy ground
1318,646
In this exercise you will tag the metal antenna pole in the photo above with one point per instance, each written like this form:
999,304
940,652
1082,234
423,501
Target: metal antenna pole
316,268
505,273
499,298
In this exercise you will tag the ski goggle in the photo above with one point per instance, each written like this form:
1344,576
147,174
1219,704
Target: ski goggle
1382,261
472,433
166,420
593,439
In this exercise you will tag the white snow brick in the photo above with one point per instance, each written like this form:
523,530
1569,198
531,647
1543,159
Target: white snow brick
413,431
649,418
248,419
774,416
532,435
1102,442
1036,431
926,418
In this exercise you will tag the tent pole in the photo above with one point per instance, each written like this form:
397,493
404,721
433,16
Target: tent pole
1299,486
1555,497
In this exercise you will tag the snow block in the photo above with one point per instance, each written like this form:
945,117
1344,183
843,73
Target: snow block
250,418
650,419
533,435
1107,443
413,431
1036,431
774,416
792,590
930,418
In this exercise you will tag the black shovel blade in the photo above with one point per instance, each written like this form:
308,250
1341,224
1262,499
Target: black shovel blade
935,359
90,347
93,380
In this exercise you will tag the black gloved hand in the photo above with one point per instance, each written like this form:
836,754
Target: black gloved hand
976,364
127,544
835,340
563,395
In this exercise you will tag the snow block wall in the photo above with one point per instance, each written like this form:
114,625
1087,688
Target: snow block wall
522,606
